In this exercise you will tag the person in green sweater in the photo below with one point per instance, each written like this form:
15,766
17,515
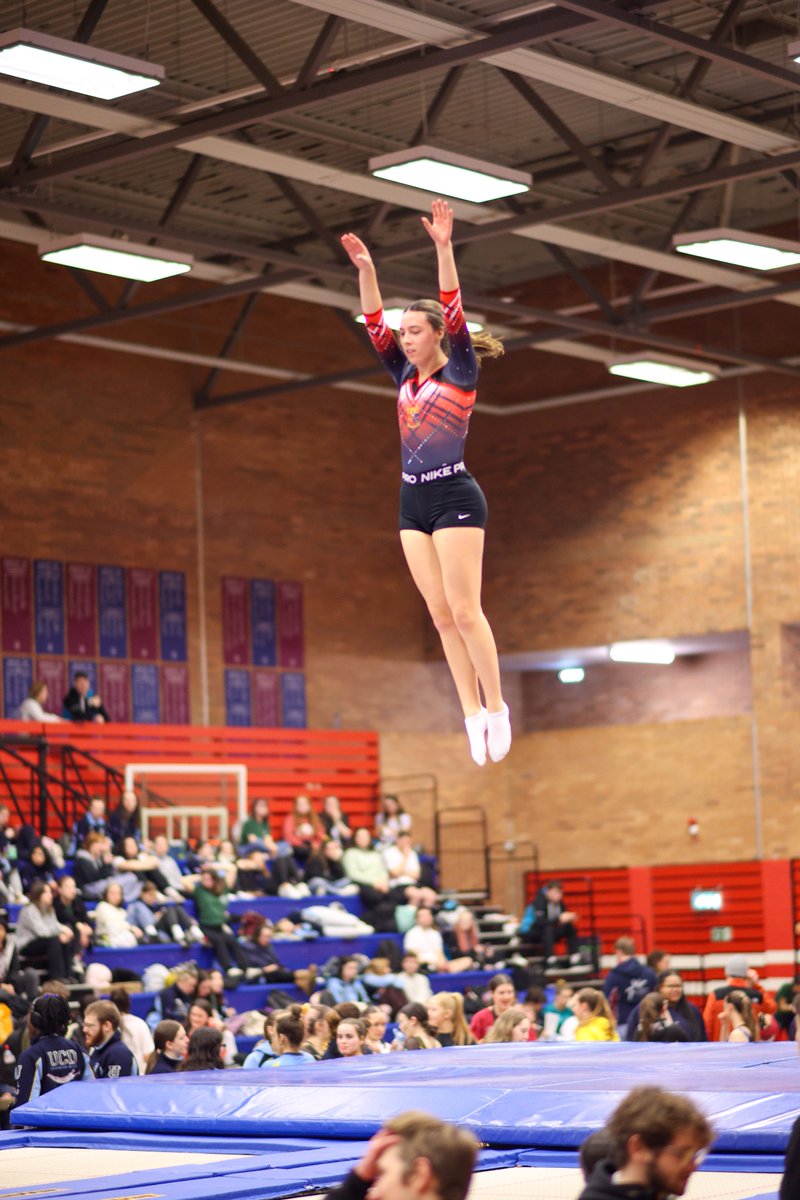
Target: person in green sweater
211,902
255,834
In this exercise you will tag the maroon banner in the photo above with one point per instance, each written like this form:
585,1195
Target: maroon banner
175,694
290,624
143,613
235,621
17,605
265,699
115,690
81,609
53,672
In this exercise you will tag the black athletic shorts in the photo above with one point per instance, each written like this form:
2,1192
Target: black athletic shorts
443,504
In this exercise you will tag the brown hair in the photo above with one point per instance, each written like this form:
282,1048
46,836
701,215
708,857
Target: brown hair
36,689
505,1024
451,1152
291,1026
650,1011
104,1010
484,343
625,945
164,1032
656,1116
598,1004
744,1007
205,1051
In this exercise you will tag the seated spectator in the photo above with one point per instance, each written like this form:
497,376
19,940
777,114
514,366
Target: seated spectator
111,925
211,987
81,703
503,997
172,1002
391,820
94,869
559,1010
109,1057
160,921
263,1052
627,981
341,1012
738,1021
376,1020
37,866
655,1023
71,910
351,1037
10,882
414,1031
178,884
288,1039
424,939
211,901
738,977
302,829
202,1016
547,920
170,1043
51,1059
317,1035
364,866
514,1025
345,984
412,981
264,962
94,820
383,984
40,935
204,1052
126,820
446,1020
34,706
255,830
463,941
596,1021
681,1010
325,873
253,874
533,1003
402,861
135,1034
19,985
130,857
334,823
779,1028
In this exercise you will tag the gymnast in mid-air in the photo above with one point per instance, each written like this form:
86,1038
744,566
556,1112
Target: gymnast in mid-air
434,363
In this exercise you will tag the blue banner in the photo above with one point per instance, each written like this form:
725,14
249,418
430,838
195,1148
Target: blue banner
237,697
17,681
48,591
293,700
172,606
144,694
112,609
88,667
262,618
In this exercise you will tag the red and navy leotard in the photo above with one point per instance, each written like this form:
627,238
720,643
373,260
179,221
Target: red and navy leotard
433,417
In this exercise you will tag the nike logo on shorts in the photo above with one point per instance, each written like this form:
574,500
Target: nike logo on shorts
463,516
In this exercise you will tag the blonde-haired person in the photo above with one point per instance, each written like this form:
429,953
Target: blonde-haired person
447,1021
738,1018
376,1020
512,1026
596,1022
442,509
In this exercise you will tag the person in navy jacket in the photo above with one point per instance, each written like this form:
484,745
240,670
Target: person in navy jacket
628,981
110,1058
51,1059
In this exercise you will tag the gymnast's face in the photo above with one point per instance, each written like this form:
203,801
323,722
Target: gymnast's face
419,341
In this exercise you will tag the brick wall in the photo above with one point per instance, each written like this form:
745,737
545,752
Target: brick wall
608,521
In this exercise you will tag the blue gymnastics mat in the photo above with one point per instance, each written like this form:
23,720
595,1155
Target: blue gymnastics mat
537,1095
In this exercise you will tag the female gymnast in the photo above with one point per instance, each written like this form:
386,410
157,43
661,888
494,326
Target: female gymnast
442,509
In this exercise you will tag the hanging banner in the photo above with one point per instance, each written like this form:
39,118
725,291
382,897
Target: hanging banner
16,605
237,697
143,613
115,690
290,624
234,621
293,700
81,606
112,614
175,694
53,672
144,694
262,616
172,605
265,699
48,591
17,680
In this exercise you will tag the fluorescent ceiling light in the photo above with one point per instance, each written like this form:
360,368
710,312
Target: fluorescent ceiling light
56,62
393,314
793,50
446,174
754,250
571,674
659,653
666,369
110,256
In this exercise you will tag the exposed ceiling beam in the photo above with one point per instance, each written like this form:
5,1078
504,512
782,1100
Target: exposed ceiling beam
240,46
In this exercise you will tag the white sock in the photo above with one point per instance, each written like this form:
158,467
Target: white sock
498,734
476,732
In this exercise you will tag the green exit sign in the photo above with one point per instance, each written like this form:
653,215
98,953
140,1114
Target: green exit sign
721,933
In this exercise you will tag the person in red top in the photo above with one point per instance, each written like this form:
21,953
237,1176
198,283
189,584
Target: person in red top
442,509
504,997
738,977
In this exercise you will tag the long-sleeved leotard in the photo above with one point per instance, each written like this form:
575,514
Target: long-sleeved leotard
434,416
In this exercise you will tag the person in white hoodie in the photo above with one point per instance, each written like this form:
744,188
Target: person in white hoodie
111,925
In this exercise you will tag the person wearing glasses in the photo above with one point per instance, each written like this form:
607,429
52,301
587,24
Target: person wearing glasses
659,1140
679,1009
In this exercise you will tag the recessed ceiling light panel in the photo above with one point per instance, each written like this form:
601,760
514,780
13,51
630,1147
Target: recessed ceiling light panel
110,256
445,174
393,315
56,62
657,653
757,251
668,370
